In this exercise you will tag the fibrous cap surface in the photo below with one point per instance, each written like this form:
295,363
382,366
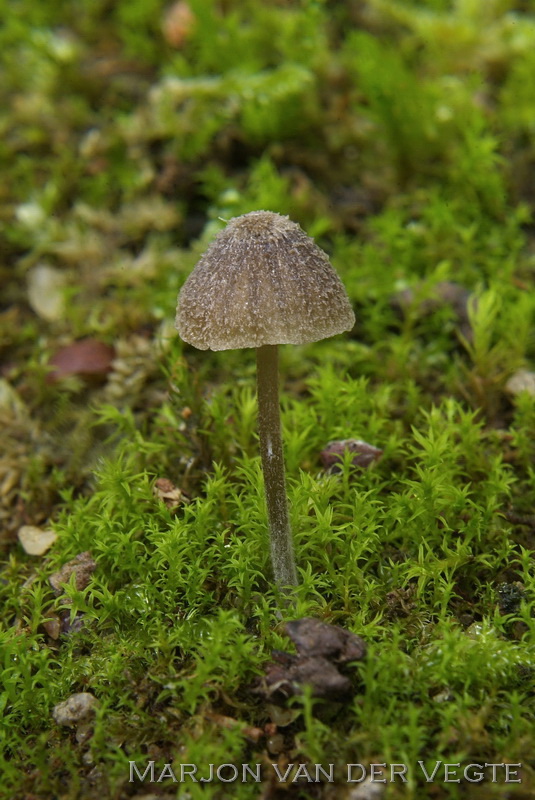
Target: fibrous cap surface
262,281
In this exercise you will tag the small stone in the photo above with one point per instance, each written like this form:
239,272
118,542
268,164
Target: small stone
77,707
522,381
35,541
69,625
52,626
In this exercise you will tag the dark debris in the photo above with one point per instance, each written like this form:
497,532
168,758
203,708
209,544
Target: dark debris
321,648
82,565
312,637
510,595
363,454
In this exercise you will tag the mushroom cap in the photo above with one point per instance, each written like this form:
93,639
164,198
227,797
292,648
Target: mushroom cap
262,281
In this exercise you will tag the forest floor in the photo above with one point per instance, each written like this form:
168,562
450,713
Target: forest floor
138,615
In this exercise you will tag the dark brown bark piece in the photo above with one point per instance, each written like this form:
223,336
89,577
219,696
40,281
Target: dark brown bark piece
312,637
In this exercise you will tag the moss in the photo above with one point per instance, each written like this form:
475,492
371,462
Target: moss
398,134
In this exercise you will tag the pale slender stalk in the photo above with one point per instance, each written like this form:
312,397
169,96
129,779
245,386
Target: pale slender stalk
269,429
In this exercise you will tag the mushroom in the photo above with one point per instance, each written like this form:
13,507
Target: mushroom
261,283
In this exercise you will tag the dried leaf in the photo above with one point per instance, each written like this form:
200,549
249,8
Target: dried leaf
46,294
166,491
178,23
52,626
88,359
11,403
400,602
249,731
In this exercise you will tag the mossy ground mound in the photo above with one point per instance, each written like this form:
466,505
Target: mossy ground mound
400,135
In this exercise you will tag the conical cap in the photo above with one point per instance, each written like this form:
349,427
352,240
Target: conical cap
262,281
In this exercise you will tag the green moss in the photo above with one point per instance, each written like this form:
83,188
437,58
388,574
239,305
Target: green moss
399,135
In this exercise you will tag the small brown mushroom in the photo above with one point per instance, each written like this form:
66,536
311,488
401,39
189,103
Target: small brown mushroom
261,283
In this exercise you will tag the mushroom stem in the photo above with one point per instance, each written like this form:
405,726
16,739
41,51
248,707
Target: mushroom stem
269,429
